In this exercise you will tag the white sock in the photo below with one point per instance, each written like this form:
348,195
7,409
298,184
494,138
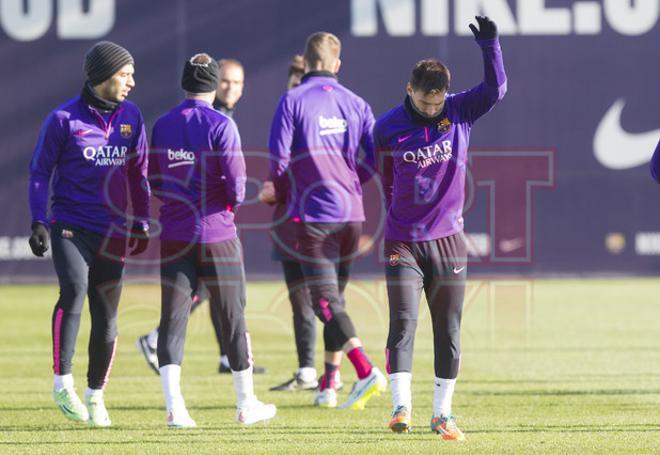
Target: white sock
152,339
93,392
170,379
244,387
307,374
401,390
224,360
444,390
64,381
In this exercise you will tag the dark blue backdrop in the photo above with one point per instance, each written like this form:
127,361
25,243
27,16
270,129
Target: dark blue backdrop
559,179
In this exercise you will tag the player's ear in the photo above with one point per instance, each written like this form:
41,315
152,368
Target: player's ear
337,66
409,89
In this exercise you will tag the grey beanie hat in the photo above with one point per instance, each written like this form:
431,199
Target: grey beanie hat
103,60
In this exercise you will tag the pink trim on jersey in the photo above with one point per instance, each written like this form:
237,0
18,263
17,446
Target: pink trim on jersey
248,342
387,361
112,359
57,336
426,133
325,309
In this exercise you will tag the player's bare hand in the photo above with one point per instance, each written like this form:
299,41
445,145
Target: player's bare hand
267,193
487,28
365,244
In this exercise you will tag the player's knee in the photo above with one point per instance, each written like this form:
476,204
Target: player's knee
73,293
402,333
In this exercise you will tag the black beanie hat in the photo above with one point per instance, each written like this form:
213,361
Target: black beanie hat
104,59
200,77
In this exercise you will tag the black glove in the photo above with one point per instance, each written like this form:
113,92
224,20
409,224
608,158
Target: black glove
139,240
39,239
487,28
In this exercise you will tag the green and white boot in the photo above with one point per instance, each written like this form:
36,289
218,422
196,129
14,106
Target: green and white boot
98,414
70,405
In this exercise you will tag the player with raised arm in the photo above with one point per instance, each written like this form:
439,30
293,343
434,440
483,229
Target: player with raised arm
198,172
94,146
315,140
422,153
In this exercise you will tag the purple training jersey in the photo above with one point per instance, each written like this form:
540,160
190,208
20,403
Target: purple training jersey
197,170
423,163
314,144
94,159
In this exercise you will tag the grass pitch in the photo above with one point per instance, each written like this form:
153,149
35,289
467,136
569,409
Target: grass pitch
549,366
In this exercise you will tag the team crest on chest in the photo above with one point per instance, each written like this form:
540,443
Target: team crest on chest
444,125
125,130
395,259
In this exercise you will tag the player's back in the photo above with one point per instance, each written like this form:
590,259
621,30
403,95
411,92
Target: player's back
329,124
189,144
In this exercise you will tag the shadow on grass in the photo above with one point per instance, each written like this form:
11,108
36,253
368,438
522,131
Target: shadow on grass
600,392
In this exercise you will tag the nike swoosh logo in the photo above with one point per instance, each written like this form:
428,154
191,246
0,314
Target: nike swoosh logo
511,245
618,149
457,270
81,133
403,138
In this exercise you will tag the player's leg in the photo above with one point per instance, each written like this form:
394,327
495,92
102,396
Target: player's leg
304,329
105,283
71,258
320,247
221,269
404,287
445,291
178,279
371,381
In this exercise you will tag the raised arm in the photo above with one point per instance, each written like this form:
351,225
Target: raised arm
480,99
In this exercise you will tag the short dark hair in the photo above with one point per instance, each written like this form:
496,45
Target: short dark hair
297,66
430,75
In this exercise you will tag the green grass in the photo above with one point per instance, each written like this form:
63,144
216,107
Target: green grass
549,366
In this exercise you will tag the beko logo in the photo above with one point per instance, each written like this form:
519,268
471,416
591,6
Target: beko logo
180,157
332,125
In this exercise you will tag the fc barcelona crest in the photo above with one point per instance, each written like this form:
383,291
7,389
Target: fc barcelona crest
395,259
125,130
444,125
